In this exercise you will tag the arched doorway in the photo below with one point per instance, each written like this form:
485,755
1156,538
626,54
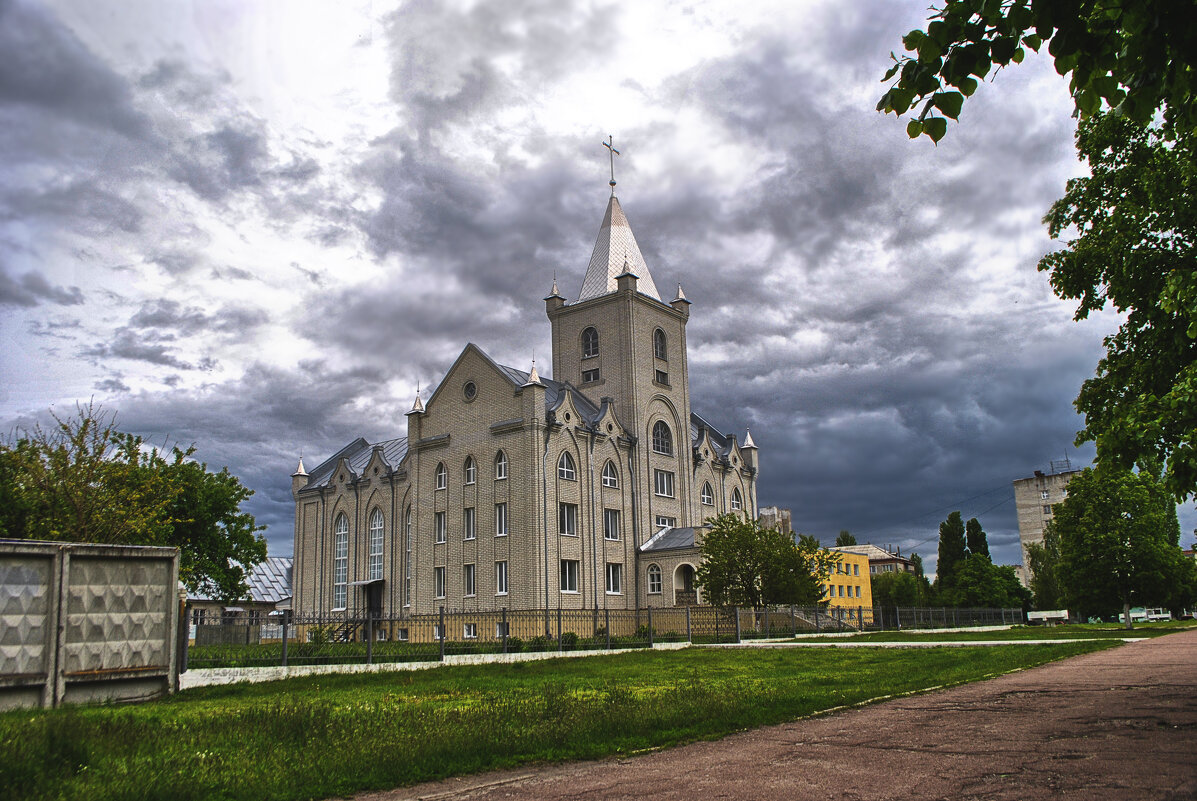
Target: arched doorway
685,591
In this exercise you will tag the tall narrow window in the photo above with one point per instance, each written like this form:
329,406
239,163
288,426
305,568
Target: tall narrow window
407,562
442,476
737,501
374,566
566,469
467,581
589,343
654,580
468,520
614,579
341,562
569,575
610,476
611,524
707,496
439,528
500,520
438,581
567,519
663,483
470,473
500,466
500,578
662,438
659,348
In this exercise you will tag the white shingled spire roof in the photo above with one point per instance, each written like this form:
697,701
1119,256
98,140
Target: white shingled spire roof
615,252
533,377
748,443
418,406
299,471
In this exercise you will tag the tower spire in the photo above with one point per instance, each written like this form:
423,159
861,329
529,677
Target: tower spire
610,145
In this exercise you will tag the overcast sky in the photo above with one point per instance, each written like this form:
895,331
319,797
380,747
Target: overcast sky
258,226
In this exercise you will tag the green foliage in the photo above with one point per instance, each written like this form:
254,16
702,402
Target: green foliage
375,732
845,538
981,583
1118,542
745,564
896,589
951,551
975,537
1043,561
85,481
1133,56
1135,224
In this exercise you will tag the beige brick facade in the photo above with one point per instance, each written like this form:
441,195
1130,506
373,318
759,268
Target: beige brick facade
579,467
1035,499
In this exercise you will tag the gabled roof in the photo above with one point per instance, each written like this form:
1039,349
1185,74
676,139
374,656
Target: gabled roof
615,252
721,441
358,453
554,394
874,553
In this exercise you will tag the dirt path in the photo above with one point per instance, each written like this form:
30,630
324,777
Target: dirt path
1119,724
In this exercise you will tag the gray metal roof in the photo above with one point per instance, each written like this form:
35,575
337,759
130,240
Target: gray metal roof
670,539
271,580
721,441
358,453
615,252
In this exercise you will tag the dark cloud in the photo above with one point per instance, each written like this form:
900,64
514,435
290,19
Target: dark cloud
45,67
32,289
174,318
112,385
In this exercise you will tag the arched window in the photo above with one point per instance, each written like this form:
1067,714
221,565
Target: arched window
662,438
610,476
589,343
737,502
659,348
565,467
442,476
500,466
654,580
340,561
471,470
707,496
374,565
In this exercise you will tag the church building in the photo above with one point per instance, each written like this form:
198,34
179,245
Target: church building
515,491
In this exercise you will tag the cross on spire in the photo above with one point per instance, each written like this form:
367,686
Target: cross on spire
610,145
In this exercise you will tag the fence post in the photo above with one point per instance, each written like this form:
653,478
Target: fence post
442,632
736,611
689,637
898,617
286,619
369,635
718,609
184,629
559,629
650,627
607,623
793,622
859,618
767,616
505,632
817,629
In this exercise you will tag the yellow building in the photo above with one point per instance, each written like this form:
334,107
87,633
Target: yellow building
849,585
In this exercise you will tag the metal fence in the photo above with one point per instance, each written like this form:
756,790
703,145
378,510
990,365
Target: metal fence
357,637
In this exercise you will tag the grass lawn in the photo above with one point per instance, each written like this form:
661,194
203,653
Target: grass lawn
1077,631
318,737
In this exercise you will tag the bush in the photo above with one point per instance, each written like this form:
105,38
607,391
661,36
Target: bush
569,641
514,645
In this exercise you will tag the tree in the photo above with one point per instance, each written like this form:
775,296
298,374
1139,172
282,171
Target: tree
1119,542
1043,561
896,589
978,582
1133,56
745,564
975,537
1136,215
85,481
951,551
845,538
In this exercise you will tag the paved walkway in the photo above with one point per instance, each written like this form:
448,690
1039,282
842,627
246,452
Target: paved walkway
1118,724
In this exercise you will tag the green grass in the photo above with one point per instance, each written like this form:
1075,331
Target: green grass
325,736
1076,631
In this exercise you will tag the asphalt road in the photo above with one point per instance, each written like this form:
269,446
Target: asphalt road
1118,724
